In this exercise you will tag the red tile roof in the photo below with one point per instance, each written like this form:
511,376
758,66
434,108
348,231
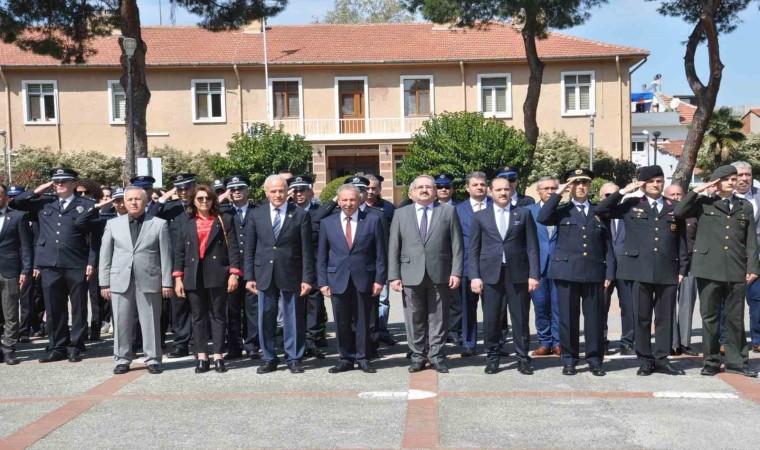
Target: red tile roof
746,129
334,44
674,148
685,110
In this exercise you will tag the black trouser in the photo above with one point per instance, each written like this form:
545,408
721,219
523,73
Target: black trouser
627,312
235,307
183,330
711,295
26,307
660,298
374,322
351,310
208,306
316,317
455,313
570,294
251,323
497,297
60,286
97,305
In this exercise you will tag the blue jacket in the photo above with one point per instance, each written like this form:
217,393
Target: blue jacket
15,244
546,244
465,213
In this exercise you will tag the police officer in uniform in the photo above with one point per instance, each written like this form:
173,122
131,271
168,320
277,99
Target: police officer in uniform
444,188
175,212
724,261
511,174
653,257
581,267
146,182
64,259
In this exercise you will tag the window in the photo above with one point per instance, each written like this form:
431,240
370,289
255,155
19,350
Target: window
398,160
208,101
417,95
638,146
577,93
40,102
286,101
495,95
117,104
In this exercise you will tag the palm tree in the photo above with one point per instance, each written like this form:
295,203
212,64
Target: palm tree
724,134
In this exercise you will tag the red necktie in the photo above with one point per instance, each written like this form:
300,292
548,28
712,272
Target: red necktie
348,232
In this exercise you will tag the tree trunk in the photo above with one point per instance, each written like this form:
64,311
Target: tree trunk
530,106
705,95
130,27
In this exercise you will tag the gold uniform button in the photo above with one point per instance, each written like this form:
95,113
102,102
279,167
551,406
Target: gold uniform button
656,239
584,236
585,254
584,245
656,229
728,226
725,248
656,219
655,249
726,237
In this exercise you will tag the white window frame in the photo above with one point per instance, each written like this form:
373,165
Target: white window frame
499,115
365,79
270,100
24,84
432,92
592,94
221,119
111,104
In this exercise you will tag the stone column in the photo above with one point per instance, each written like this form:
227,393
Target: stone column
319,167
386,170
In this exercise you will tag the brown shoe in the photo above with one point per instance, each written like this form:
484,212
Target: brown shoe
756,349
722,349
542,351
556,350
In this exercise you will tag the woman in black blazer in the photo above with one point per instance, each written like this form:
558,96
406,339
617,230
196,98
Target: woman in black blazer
206,268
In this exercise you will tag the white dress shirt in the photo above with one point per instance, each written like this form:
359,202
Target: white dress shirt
474,204
66,202
272,213
497,212
586,205
419,209
354,223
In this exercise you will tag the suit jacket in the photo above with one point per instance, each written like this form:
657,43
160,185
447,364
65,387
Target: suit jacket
240,226
584,252
222,254
149,261
465,213
726,245
363,264
15,244
174,212
63,241
285,262
546,243
523,200
654,245
387,208
520,246
440,256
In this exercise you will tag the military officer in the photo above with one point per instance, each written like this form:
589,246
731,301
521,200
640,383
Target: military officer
581,267
653,257
64,259
724,261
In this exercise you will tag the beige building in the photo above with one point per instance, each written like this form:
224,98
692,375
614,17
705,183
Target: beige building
356,92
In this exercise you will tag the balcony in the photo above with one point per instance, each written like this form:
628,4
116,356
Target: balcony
350,129
656,119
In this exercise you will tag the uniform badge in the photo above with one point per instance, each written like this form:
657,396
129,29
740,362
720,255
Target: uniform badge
579,172
180,178
235,179
80,209
59,172
299,179
673,227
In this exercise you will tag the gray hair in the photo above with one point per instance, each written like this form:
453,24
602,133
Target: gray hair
414,183
349,187
609,184
547,178
272,178
373,178
475,174
742,165
137,188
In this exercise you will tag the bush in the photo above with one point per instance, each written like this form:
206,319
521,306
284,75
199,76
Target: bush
748,151
331,189
596,185
462,142
31,166
174,161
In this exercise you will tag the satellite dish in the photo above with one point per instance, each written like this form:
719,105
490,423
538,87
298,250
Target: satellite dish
674,103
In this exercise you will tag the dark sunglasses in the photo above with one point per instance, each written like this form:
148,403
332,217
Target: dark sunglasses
444,186
202,199
607,194
83,192
511,179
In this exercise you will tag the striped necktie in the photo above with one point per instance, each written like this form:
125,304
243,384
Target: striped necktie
277,223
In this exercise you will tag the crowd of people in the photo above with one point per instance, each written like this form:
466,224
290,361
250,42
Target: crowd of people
206,264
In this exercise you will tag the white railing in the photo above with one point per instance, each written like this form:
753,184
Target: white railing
337,128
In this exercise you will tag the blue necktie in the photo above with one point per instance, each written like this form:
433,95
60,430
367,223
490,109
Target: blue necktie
277,224
502,224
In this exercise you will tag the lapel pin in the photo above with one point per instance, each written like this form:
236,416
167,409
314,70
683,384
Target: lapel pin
80,209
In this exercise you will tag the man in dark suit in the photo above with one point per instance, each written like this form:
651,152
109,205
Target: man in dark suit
511,174
654,258
279,264
581,268
65,259
28,322
544,297
477,188
351,271
15,271
724,261
504,267
242,305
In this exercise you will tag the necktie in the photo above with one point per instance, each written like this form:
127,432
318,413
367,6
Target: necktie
61,205
349,241
728,204
656,207
133,230
424,224
277,223
613,228
582,209
502,224
478,206
240,213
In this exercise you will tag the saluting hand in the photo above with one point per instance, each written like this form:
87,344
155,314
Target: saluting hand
633,186
563,187
169,194
42,188
706,186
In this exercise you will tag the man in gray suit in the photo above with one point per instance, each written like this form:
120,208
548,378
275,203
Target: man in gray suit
135,272
425,260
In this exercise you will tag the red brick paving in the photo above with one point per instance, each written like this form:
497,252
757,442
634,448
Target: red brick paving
422,429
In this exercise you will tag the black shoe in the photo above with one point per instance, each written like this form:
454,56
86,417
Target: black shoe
38,334
321,342
416,367
627,350
203,366
492,368
314,352
342,366
569,369
667,368
155,369
689,351
387,340
178,353
597,370
75,355
295,367
94,338
524,368
742,371
440,367
408,355
121,369
366,367
219,366
10,358
233,354
645,370
710,371
53,357
24,339
267,367
468,352
676,351
253,354
503,353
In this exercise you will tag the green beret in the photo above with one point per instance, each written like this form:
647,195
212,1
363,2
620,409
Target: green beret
722,172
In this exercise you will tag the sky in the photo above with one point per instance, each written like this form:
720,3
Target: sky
633,23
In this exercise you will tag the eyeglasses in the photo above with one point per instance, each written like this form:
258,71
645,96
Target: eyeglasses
235,189
548,188
83,192
606,195
60,181
202,199
511,179
444,186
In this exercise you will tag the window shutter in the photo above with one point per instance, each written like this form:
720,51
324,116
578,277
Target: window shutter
488,100
293,105
201,87
215,87
585,97
501,100
570,103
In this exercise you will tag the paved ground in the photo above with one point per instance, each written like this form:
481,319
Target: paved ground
63,405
